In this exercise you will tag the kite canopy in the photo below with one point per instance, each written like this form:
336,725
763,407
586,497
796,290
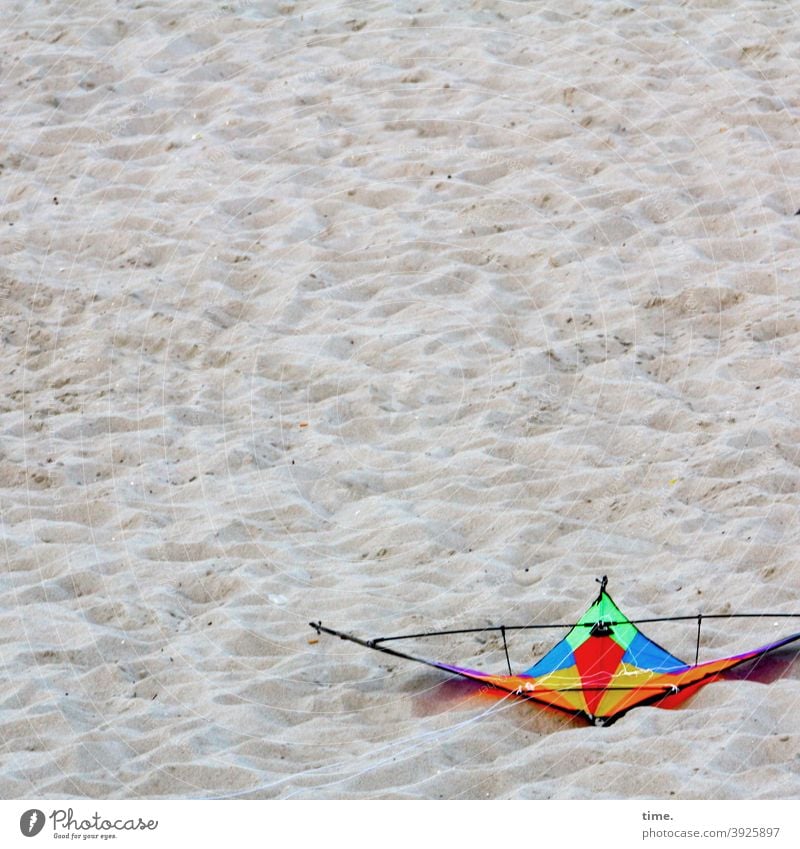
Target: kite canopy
601,669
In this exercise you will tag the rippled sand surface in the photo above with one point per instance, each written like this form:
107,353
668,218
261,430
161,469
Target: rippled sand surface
398,316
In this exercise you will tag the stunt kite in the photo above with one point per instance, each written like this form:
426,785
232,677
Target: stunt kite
601,669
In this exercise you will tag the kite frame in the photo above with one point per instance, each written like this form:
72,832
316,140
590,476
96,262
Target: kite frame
664,691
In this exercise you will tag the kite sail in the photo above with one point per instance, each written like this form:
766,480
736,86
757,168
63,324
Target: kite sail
601,669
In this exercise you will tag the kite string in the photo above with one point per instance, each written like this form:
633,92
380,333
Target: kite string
494,708
410,743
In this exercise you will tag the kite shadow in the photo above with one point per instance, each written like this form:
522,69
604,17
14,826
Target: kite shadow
767,668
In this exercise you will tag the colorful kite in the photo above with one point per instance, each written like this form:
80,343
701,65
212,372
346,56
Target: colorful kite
601,669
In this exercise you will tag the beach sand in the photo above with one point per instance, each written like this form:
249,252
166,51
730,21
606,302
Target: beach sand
398,316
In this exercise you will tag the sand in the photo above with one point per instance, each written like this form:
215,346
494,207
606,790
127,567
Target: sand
394,315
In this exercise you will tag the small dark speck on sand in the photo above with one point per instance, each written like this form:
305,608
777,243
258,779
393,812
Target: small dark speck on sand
798,212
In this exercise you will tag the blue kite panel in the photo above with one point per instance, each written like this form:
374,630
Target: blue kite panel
559,657
646,654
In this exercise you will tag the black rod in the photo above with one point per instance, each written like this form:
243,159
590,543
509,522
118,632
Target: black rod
697,650
505,647
469,631
715,616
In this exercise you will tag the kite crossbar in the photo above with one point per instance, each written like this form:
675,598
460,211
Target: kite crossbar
504,628
500,628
